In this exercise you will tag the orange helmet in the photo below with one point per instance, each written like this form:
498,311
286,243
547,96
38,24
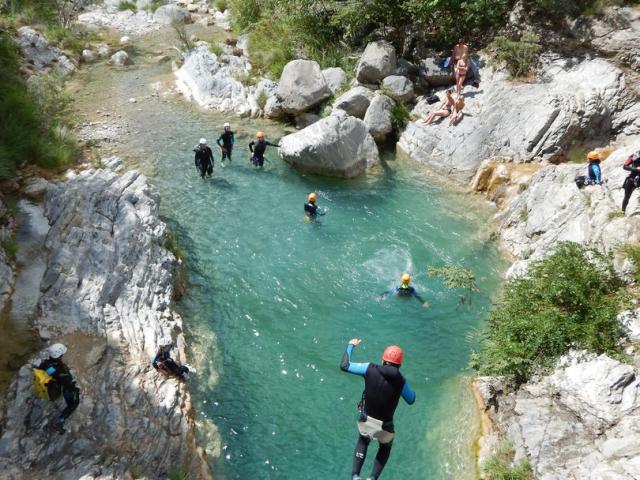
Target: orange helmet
313,197
405,279
593,155
393,354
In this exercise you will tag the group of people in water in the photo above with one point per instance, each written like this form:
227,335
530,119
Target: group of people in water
460,62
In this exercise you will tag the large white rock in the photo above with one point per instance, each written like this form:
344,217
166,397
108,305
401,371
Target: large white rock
302,86
377,62
337,146
167,14
378,117
125,21
41,56
355,101
335,77
572,103
120,59
400,87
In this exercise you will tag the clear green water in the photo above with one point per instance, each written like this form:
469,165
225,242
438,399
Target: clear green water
273,299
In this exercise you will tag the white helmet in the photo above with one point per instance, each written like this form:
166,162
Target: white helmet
166,341
203,141
226,124
57,350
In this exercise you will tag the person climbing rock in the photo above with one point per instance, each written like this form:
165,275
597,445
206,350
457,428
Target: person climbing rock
406,290
632,165
595,174
311,209
383,387
204,158
165,364
61,376
257,148
225,141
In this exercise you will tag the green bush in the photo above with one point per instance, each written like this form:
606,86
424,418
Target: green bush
632,252
262,99
216,49
499,466
519,56
400,116
10,247
127,5
270,47
569,300
221,5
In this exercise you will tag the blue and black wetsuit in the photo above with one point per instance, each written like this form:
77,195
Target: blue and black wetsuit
312,210
60,373
163,361
257,148
383,388
633,180
594,172
225,141
408,292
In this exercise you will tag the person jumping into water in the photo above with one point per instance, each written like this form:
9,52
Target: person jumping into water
311,209
257,148
225,141
383,387
406,290
204,158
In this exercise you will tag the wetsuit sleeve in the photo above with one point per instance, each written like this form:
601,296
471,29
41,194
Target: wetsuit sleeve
219,139
196,158
233,139
272,144
251,144
408,394
211,155
597,171
355,368
417,295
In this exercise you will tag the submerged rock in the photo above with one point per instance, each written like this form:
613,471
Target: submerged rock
336,146
302,86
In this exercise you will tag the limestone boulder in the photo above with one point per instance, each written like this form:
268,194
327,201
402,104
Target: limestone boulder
336,146
302,86
120,59
39,55
335,77
355,101
400,87
378,117
167,14
377,62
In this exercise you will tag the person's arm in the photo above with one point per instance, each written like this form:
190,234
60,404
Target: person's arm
598,174
417,296
389,292
219,139
408,394
233,139
211,156
347,366
251,144
273,144
196,158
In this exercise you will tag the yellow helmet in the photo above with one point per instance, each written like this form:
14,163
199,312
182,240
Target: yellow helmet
406,278
260,135
593,155
313,197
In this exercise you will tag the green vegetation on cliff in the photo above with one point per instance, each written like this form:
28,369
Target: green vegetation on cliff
570,300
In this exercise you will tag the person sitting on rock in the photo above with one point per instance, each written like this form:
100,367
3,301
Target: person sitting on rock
406,290
594,168
311,209
59,372
632,165
457,113
444,111
257,148
165,364
204,158
225,141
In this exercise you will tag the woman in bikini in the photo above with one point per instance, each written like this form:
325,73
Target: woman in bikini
445,109
461,74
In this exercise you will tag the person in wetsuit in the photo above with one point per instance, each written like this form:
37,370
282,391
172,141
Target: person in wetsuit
58,370
257,148
632,165
225,141
595,174
204,158
383,387
164,363
406,290
311,209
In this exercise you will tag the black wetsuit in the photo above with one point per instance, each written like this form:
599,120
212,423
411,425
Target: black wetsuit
62,377
408,291
225,141
204,160
633,180
163,361
383,387
257,148
311,209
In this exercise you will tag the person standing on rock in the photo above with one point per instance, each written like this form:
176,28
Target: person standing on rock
257,148
461,51
632,165
225,141
383,387
59,372
204,158
406,290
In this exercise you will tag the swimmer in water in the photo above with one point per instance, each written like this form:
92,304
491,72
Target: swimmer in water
311,209
406,290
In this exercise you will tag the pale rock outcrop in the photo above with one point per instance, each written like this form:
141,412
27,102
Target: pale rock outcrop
378,117
336,146
377,62
582,421
140,22
552,209
167,14
39,55
120,59
572,103
106,293
302,86
400,87
355,101
88,56
103,50
336,78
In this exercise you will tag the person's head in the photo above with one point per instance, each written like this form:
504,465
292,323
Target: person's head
57,350
227,126
393,355
312,197
594,156
449,92
461,41
165,343
405,279
203,142
260,135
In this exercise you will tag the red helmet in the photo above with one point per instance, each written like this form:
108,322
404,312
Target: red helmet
393,354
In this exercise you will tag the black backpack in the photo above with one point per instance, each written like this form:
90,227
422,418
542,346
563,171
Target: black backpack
581,181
